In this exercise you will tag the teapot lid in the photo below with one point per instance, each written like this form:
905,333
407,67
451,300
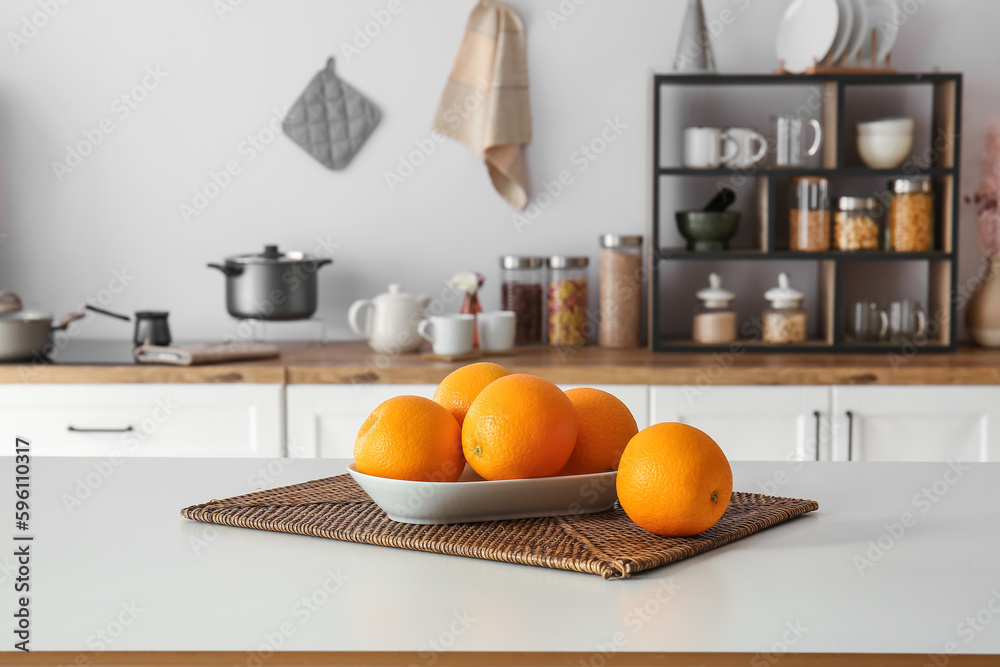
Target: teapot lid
784,295
713,295
395,295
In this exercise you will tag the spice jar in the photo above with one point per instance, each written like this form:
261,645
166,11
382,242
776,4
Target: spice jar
715,318
911,215
855,225
620,291
521,291
809,221
567,299
785,320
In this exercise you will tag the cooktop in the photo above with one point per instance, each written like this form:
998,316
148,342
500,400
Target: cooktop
85,353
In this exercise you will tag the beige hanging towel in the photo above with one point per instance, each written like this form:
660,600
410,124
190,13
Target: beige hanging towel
485,104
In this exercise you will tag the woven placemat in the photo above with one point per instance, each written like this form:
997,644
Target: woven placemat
606,543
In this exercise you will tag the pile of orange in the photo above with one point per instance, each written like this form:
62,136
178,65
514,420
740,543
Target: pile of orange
672,478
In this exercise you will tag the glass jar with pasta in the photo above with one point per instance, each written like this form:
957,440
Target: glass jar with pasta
567,300
855,224
809,214
911,215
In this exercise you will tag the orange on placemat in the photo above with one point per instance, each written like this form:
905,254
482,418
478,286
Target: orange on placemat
457,391
413,438
604,426
519,426
674,480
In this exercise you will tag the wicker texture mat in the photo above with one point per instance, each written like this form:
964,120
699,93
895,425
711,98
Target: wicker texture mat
606,543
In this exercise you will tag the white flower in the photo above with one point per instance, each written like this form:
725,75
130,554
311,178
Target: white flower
467,282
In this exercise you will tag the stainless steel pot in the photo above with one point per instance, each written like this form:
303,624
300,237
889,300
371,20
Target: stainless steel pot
26,334
271,285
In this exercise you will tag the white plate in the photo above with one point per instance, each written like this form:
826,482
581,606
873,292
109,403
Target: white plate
472,499
859,31
806,32
844,27
882,17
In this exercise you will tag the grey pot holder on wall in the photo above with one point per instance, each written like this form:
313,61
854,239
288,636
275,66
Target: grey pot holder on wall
331,120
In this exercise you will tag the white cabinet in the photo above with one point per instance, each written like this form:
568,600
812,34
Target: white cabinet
634,396
198,420
323,420
752,423
919,423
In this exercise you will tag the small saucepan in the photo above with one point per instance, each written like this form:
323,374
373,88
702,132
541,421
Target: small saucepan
150,325
26,334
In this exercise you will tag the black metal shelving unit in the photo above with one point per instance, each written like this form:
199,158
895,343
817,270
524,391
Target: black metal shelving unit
942,263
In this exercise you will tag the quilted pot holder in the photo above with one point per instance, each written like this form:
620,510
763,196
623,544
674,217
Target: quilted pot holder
331,120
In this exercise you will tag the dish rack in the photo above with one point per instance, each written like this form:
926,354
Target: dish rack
842,66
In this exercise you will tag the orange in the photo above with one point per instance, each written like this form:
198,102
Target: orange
457,391
519,426
674,480
410,437
604,426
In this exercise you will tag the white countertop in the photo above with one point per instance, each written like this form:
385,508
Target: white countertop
217,588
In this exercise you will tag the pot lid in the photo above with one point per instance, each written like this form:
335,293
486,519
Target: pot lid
270,255
784,295
713,295
25,314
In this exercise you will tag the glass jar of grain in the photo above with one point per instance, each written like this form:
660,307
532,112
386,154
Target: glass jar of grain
911,215
855,224
620,291
715,318
521,291
567,300
785,321
809,214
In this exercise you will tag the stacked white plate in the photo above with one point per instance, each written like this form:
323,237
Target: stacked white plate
826,31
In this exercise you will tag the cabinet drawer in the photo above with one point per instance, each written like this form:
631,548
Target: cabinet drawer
323,420
145,420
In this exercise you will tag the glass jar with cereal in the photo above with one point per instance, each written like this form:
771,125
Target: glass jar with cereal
567,300
855,224
785,321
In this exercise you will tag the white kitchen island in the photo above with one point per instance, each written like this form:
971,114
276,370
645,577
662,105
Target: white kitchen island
901,562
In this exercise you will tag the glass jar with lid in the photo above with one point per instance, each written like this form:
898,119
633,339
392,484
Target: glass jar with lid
786,319
620,291
567,300
521,291
855,224
715,317
911,215
809,211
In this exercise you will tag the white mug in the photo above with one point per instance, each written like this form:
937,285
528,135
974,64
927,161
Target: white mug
744,139
449,335
703,147
496,330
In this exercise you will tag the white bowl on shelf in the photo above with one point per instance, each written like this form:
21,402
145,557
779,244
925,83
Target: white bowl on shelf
886,143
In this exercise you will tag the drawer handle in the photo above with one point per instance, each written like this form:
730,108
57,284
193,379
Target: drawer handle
816,416
850,435
74,429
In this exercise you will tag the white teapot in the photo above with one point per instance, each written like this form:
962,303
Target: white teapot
392,325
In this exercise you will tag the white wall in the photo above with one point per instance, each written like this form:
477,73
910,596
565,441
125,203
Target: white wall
119,208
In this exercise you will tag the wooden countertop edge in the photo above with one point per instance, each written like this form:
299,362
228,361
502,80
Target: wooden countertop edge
125,374
484,659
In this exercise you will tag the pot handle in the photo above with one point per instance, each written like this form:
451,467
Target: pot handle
9,302
65,322
230,271
354,312
323,262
